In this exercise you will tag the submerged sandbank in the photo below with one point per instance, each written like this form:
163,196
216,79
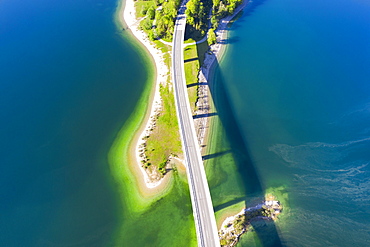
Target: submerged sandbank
129,23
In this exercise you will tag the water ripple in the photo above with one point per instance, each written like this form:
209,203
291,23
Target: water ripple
329,171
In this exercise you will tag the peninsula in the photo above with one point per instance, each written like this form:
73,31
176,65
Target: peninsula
149,28
158,147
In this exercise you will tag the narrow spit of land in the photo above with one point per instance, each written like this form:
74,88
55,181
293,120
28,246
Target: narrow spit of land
231,230
151,179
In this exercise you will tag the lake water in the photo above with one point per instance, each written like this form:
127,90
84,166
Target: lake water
73,90
68,82
293,93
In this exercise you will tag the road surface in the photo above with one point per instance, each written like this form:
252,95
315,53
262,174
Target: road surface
205,221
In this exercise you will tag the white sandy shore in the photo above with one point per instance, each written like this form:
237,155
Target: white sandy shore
204,98
132,23
227,228
162,74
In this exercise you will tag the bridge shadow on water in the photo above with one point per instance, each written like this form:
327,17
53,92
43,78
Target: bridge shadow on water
211,156
252,186
250,181
205,115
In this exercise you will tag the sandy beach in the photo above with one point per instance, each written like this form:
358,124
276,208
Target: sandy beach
131,23
128,16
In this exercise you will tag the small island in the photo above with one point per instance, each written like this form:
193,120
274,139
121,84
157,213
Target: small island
235,226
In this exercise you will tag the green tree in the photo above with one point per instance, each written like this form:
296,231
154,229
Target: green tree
146,24
165,26
214,21
195,13
191,9
151,35
151,13
216,3
212,39
144,9
164,18
170,9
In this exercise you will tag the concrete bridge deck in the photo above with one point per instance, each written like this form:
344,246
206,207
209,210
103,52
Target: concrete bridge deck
205,221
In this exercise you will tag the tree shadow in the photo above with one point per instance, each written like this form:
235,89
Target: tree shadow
191,32
251,7
240,18
229,40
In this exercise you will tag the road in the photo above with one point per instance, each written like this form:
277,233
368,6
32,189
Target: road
205,221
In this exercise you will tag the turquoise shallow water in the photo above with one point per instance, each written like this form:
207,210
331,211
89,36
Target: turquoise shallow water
68,82
296,78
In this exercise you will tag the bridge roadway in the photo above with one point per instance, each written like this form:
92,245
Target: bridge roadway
204,218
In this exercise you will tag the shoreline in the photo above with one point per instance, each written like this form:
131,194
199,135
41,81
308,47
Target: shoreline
128,21
205,103
206,80
234,227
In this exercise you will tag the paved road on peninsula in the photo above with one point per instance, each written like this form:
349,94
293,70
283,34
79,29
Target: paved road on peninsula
205,221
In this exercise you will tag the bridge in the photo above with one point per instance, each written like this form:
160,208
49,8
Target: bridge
204,218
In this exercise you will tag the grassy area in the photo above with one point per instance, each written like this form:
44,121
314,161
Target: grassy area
165,50
147,218
193,59
142,6
164,141
189,41
191,66
160,17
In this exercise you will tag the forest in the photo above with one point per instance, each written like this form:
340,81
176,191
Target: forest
158,17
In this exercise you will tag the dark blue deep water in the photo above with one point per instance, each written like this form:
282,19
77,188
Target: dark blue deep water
68,82
297,76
